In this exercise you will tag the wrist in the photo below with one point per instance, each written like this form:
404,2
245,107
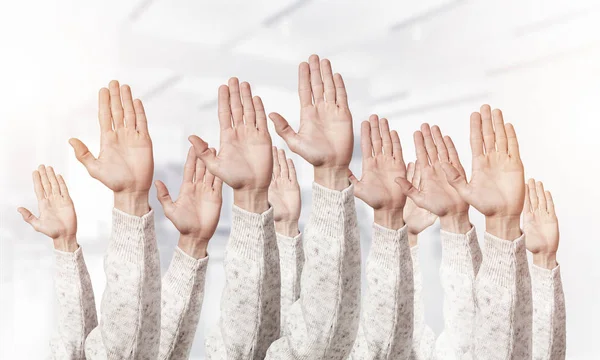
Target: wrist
456,223
412,239
252,200
334,178
391,219
504,227
287,228
545,260
193,245
66,243
132,203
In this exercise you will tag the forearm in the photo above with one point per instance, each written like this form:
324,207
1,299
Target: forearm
423,336
291,262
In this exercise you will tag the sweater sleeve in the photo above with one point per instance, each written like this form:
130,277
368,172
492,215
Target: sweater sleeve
249,320
461,259
291,261
76,306
386,327
503,302
130,310
323,323
423,336
182,295
549,319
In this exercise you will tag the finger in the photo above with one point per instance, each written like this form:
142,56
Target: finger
476,136
64,190
128,110
224,108
316,83
247,103
283,129
410,172
237,111
209,178
513,143
200,171
499,130
162,193
285,173
328,81
429,143
261,116
527,205
549,202
37,185
532,194
276,167
304,90
396,146
386,139
420,149
440,145
116,109
417,176
203,152
218,185
104,115
53,182
457,181
375,135
358,186
141,122
489,138
541,195
412,192
29,218
293,177
83,155
45,181
453,154
366,145
341,97
189,169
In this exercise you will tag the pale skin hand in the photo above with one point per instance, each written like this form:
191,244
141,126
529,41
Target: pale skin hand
57,214
434,192
497,186
284,195
196,211
416,218
325,137
125,163
540,225
244,161
382,163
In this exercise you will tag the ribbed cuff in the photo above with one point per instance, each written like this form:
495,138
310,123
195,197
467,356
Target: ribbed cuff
460,252
545,282
129,233
184,272
503,258
288,245
414,255
329,208
250,233
68,263
388,245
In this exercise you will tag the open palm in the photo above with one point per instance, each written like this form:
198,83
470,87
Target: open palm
284,191
540,223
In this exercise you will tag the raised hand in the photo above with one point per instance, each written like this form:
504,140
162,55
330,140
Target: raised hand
196,211
497,186
284,195
125,163
435,193
57,214
416,218
540,225
382,163
244,160
325,137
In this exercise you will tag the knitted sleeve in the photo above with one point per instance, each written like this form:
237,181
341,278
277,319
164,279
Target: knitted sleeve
323,323
386,327
549,319
249,320
76,306
130,309
291,261
423,337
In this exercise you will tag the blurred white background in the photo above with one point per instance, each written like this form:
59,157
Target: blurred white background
414,61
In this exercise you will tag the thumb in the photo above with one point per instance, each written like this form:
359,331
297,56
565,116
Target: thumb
208,157
83,154
283,129
357,185
409,190
29,218
162,193
456,180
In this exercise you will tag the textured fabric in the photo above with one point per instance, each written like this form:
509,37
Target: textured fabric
461,259
130,310
250,302
182,295
503,319
323,323
76,306
291,261
549,319
423,336
386,327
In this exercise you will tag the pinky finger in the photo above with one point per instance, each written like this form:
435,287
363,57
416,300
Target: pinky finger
550,203
64,191
218,185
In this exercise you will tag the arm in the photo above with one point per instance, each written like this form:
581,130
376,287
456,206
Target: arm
503,285
130,321
549,318
249,320
76,306
387,315
195,214
323,323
